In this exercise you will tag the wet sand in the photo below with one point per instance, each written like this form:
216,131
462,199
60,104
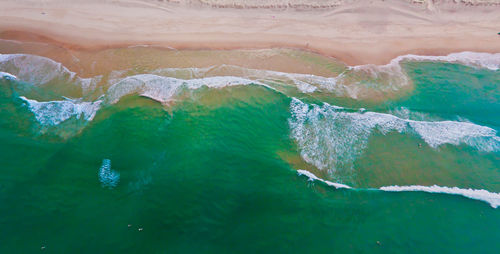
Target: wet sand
355,32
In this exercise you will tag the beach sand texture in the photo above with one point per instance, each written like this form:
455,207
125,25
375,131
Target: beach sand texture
353,31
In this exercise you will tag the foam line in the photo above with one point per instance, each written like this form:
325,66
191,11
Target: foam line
313,177
7,76
491,198
163,89
468,58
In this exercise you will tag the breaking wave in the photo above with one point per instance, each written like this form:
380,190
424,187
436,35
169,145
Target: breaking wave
358,82
38,70
8,76
163,85
313,177
353,83
163,89
472,59
491,198
331,137
52,113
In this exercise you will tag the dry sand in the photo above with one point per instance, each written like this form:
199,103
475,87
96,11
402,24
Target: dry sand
354,31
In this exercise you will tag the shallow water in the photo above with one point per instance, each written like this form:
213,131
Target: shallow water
160,162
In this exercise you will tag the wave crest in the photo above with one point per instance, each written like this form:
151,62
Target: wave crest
357,82
52,113
163,89
491,198
331,137
8,76
313,177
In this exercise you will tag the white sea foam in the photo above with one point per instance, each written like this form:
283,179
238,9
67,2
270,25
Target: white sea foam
394,77
183,73
34,69
362,81
358,82
391,76
405,113
341,85
313,177
305,87
108,177
331,138
305,83
52,113
40,70
7,76
490,197
450,132
163,89
472,59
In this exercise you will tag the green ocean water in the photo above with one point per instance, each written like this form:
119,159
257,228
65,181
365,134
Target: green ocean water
215,169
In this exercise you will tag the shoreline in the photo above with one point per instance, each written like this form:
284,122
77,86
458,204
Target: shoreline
353,33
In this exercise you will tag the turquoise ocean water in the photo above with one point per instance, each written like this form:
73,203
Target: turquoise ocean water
159,161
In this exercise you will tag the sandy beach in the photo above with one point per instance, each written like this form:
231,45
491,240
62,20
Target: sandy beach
355,32
250,126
